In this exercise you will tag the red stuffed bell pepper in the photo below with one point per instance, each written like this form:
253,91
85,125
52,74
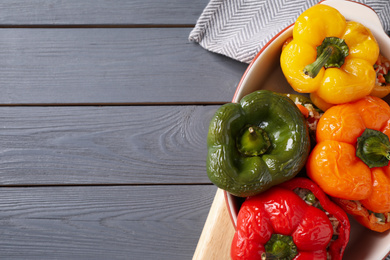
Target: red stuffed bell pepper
294,220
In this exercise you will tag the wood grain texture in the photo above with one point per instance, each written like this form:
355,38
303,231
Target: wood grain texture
100,12
107,163
100,145
93,66
116,222
217,234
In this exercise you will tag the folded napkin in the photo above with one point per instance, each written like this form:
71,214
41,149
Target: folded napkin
240,28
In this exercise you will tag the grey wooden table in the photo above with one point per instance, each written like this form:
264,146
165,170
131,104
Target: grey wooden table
104,110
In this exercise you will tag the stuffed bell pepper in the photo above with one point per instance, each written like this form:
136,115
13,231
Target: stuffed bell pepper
294,220
257,143
350,161
382,84
329,57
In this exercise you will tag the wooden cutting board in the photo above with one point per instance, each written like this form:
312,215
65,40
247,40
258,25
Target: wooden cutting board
217,233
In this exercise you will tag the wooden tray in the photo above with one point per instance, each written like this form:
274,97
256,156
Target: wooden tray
217,233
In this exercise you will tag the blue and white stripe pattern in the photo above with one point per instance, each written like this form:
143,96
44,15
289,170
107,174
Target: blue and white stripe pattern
240,28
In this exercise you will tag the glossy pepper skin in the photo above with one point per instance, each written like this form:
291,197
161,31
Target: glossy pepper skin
279,211
349,164
245,164
333,85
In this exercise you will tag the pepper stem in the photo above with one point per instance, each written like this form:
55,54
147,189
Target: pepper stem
373,148
280,247
331,53
253,141
314,68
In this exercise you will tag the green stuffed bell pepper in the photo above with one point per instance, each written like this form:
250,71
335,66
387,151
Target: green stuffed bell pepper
257,143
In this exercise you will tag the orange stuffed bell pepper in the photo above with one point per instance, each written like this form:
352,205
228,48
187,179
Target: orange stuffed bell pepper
329,57
350,161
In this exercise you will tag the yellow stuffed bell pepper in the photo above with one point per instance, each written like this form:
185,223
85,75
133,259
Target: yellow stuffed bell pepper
329,57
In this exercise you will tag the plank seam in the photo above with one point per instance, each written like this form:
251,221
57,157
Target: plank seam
101,185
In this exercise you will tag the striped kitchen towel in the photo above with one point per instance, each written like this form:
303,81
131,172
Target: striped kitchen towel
240,28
